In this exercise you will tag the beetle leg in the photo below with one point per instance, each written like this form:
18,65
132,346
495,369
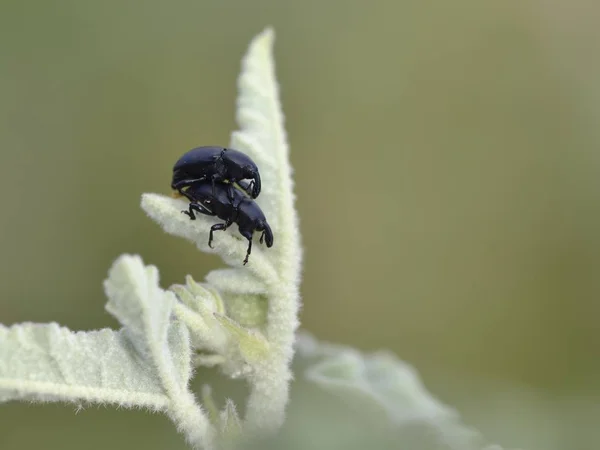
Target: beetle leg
247,235
250,188
230,189
198,208
185,183
248,251
213,179
216,227
246,187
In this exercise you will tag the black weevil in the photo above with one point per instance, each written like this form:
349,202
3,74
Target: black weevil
216,164
215,201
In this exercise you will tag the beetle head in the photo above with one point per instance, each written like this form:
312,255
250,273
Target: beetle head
240,166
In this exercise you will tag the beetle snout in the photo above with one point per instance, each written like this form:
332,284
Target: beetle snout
268,235
256,186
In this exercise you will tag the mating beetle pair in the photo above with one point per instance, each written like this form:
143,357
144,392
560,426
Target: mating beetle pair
206,177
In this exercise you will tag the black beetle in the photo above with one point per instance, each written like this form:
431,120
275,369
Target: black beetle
215,201
216,164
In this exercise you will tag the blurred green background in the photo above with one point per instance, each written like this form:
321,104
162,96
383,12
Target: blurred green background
446,166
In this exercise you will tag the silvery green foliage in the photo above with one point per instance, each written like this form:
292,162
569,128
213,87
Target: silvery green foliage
241,320
389,394
145,364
